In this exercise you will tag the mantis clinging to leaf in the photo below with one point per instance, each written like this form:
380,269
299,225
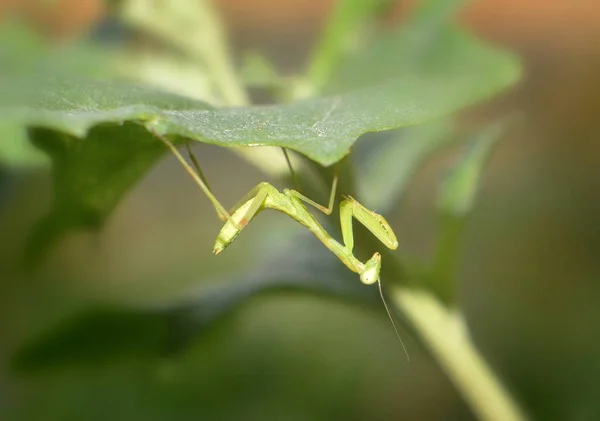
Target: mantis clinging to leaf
292,203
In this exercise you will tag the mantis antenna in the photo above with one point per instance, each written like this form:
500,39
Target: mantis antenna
391,317
292,203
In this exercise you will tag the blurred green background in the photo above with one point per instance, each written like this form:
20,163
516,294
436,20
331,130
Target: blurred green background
527,276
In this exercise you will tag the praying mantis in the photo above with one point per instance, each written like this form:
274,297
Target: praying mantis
292,203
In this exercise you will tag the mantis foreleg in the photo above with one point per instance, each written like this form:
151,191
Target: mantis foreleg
374,222
326,210
243,213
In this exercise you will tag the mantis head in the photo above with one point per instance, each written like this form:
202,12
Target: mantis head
370,274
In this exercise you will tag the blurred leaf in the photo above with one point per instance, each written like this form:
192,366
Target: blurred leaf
387,170
169,72
24,52
456,198
426,45
196,29
299,263
258,71
344,28
458,190
89,177
6,188
430,17
16,150
96,337
18,44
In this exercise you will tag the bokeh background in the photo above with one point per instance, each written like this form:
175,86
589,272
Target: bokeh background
527,279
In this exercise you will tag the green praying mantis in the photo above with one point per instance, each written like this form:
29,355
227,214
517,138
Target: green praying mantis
292,203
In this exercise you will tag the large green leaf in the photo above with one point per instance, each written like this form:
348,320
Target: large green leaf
424,70
323,129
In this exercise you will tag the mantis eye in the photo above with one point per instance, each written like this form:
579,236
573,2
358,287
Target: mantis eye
370,274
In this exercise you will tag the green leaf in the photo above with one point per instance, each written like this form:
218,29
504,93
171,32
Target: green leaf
16,150
258,71
430,16
89,177
451,53
294,264
456,198
195,28
25,52
458,191
99,336
343,29
323,129
388,169
426,45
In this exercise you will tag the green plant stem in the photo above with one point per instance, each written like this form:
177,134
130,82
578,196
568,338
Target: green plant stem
343,28
218,58
445,334
199,33
194,28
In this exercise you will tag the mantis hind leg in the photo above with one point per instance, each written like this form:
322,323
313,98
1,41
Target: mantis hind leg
250,195
197,176
296,193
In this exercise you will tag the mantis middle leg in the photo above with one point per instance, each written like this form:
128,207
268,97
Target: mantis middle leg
197,176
